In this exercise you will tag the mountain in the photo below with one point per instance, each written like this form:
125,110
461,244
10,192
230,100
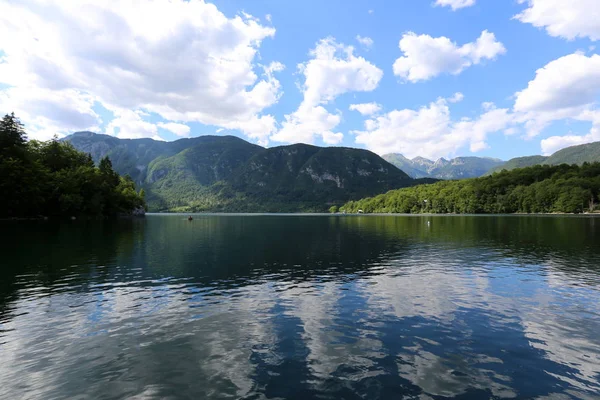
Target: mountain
456,168
412,168
226,173
518,162
589,152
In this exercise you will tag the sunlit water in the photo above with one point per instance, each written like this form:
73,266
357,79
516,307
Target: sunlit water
301,307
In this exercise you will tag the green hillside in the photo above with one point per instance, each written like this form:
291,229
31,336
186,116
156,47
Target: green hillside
225,173
589,152
538,189
519,162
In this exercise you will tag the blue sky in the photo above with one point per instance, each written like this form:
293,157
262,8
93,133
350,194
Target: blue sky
463,77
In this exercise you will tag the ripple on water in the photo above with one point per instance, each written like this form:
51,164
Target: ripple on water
375,310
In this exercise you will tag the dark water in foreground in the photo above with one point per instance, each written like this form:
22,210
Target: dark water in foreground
301,307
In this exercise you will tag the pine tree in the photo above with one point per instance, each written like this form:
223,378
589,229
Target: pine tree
12,137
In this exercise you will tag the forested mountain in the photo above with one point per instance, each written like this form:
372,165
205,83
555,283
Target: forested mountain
538,189
54,179
456,168
589,152
225,173
579,154
519,162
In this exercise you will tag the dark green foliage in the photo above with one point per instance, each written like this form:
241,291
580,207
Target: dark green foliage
538,189
12,137
54,179
456,168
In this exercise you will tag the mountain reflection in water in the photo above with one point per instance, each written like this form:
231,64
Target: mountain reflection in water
297,307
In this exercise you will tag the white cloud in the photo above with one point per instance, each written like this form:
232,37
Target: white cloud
258,128
430,131
455,4
178,129
457,98
425,57
332,71
48,112
555,143
475,131
184,60
303,124
335,70
129,124
564,88
567,19
332,138
366,108
364,40
569,82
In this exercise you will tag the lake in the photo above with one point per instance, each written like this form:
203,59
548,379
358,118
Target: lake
301,307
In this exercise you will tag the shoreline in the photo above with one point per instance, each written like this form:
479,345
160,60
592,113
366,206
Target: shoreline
595,214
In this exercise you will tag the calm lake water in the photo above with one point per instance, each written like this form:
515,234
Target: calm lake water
301,307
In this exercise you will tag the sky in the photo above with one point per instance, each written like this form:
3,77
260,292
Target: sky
431,78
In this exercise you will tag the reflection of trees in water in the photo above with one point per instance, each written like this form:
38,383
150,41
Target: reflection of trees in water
298,306
39,254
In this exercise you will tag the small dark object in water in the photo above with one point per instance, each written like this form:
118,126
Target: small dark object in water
190,218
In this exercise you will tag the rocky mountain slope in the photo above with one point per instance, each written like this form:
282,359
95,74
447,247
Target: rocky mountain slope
226,173
456,168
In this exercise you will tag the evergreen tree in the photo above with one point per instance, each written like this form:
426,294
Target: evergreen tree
53,178
12,137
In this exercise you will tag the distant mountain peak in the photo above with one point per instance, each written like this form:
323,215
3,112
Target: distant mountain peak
442,168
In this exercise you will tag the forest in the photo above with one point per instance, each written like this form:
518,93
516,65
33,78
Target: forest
538,189
44,179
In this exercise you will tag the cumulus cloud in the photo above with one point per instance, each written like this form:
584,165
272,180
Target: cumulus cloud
564,88
366,108
567,19
425,57
365,41
48,112
455,4
332,71
129,124
306,123
184,60
430,131
568,82
457,98
555,143
178,129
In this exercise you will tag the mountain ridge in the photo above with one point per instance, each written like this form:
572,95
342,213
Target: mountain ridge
455,168
578,154
226,173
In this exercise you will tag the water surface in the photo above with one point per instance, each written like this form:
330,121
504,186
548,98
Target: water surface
301,307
